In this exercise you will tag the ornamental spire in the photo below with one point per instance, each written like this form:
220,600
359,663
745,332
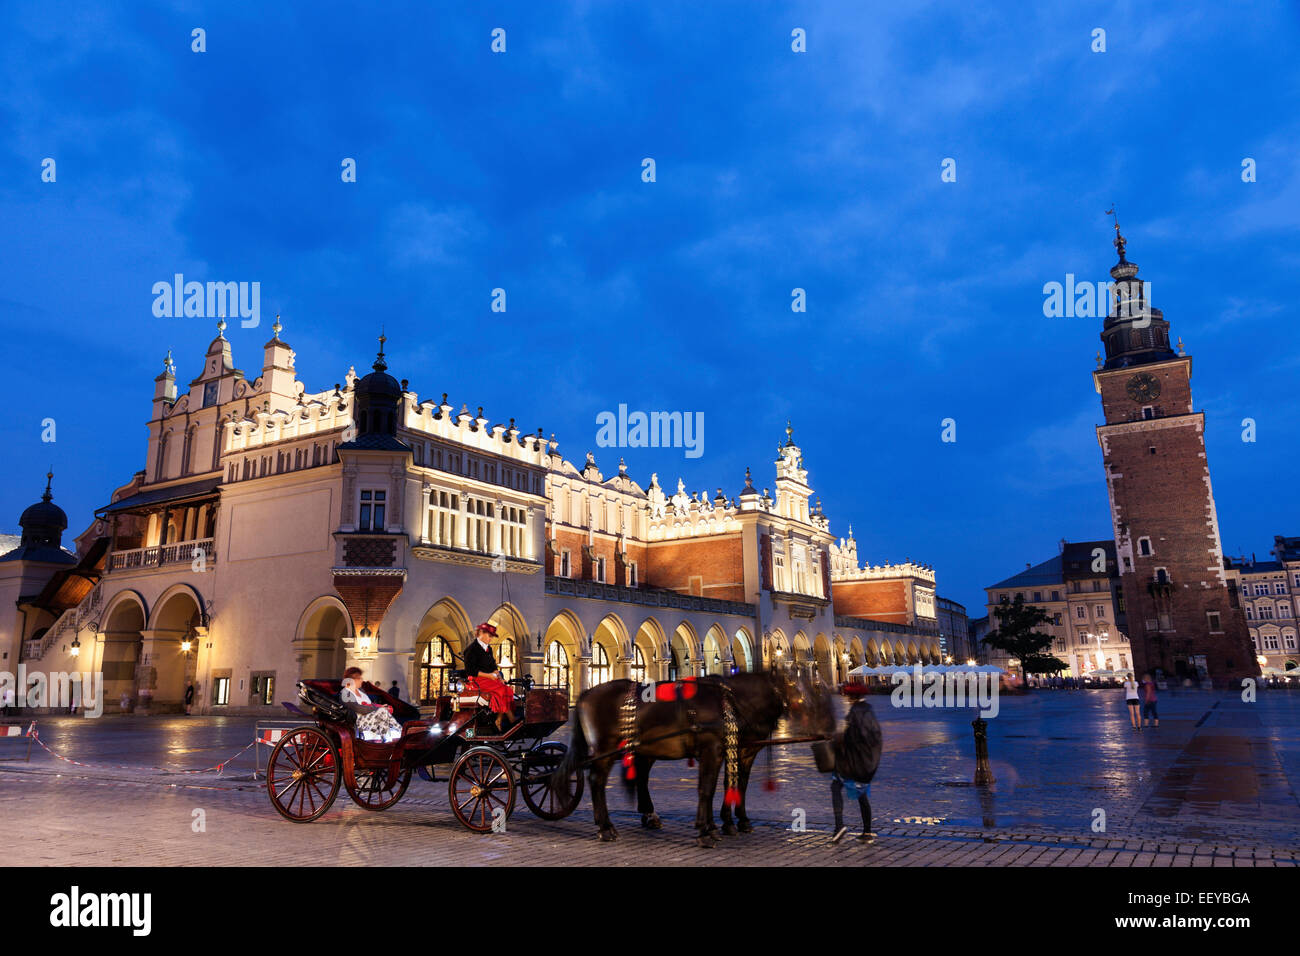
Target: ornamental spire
380,365
49,476
1120,242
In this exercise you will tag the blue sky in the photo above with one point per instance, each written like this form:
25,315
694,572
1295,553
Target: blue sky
775,170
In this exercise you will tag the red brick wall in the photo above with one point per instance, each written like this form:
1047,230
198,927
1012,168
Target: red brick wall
1164,496
718,560
877,600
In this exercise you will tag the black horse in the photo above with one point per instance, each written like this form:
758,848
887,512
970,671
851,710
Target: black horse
762,699
677,721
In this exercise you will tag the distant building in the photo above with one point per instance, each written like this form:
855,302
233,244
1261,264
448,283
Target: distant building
1080,591
1269,592
954,630
976,630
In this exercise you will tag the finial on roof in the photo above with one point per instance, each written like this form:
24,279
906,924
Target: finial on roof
850,531
1180,346
221,328
1120,241
749,480
380,365
275,329
1099,362
789,432
169,366
49,476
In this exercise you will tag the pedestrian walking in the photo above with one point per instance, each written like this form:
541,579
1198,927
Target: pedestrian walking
1149,701
394,692
1134,702
8,701
856,751
189,699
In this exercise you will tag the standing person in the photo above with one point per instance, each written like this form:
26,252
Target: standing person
857,755
394,692
1149,701
8,701
189,699
1131,698
125,702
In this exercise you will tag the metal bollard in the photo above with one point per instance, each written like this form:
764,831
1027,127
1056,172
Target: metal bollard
983,773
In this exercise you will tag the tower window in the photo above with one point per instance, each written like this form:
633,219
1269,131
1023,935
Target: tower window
1148,412
372,511
1144,546
1152,449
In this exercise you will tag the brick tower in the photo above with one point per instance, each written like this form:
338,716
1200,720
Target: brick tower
1183,617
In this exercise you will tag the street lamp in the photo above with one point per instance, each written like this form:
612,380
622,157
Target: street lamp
364,641
76,646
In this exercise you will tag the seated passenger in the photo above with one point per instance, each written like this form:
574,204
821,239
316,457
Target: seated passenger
483,675
374,722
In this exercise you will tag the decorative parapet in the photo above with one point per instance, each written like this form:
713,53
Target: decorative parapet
475,559
595,591
884,572
325,412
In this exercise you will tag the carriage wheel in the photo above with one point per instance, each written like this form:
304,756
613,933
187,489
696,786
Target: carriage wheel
481,785
546,800
302,776
375,791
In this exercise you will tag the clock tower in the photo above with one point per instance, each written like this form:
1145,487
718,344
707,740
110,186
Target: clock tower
1183,616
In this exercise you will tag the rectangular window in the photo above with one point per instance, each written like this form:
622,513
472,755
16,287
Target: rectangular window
600,570
1056,595
565,566
262,688
1080,611
1266,612
1038,597
221,691
1101,610
1213,619
371,511
631,575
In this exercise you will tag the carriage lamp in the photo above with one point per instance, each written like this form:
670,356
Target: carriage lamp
187,643
76,647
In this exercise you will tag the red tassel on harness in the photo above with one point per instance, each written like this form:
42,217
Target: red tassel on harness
732,798
629,765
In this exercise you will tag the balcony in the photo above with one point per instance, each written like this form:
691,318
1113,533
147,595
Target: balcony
180,552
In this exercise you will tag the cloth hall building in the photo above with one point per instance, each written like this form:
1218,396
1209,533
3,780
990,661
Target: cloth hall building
276,533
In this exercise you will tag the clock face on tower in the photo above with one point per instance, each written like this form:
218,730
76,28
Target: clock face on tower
1143,387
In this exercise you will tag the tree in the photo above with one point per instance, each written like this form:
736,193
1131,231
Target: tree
1016,634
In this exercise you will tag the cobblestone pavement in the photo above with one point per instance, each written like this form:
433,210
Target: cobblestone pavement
1213,785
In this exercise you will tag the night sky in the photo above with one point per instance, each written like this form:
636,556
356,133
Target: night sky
775,170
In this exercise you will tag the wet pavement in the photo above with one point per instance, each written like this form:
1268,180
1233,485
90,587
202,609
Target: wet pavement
1214,784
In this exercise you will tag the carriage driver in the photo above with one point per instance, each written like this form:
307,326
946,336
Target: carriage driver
483,675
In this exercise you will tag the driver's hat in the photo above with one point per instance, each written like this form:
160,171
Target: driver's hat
490,628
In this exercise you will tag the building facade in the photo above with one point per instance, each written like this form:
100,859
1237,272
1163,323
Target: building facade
1186,620
1269,599
276,533
1080,590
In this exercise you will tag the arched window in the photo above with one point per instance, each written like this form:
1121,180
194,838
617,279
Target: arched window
600,669
436,663
506,658
637,669
555,671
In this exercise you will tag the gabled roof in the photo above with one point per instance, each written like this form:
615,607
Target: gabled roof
1049,572
172,493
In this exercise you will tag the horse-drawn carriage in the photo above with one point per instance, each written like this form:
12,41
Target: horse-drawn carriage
310,763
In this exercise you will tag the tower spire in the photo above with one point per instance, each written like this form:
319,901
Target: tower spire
49,477
380,365
1120,242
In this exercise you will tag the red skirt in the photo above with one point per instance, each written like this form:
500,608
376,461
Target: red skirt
501,697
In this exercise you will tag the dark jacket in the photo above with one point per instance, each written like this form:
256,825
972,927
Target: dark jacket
857,748
479,661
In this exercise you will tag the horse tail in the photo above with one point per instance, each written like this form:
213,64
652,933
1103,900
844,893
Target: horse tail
575,755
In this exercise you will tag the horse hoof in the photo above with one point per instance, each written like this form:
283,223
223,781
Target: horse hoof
608,836
745,826
706,841
729,830
651,821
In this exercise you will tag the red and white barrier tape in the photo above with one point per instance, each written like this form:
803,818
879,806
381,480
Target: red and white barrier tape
219,768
